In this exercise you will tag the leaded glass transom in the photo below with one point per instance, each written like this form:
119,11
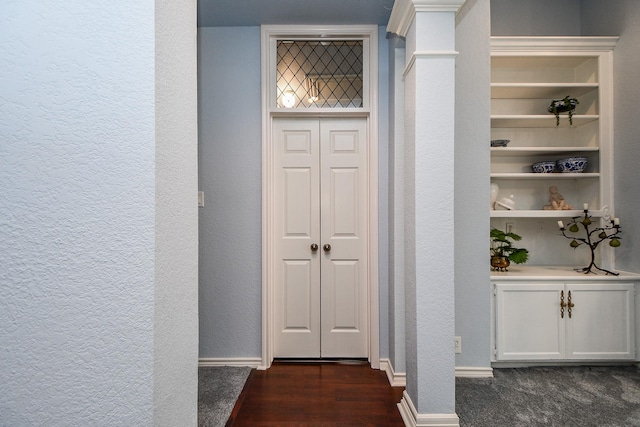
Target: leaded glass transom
319,73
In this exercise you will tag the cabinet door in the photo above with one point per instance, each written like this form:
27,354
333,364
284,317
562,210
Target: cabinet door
528,323
602,322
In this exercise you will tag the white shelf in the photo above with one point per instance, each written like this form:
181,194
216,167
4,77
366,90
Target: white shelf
537,213
527,151
539,121
532,272
540,90
544,176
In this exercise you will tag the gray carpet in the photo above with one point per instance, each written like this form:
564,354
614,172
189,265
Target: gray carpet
218,390
551,396
527,397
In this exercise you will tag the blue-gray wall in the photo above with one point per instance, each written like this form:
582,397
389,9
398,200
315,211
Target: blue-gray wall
472,167
230,168
230,174
621,18
383,190
535,18
396,204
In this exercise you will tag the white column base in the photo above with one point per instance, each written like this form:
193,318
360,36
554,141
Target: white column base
399,379
473,372
413,419
396,379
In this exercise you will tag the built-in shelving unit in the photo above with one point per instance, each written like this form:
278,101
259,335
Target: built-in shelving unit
545,310
526,74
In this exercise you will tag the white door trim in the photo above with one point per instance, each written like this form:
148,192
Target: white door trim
269,33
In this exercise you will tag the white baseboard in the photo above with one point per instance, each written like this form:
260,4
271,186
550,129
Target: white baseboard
251,362
396,379
473,372
411,417
399,379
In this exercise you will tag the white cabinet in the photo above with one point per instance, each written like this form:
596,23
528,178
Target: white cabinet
552,320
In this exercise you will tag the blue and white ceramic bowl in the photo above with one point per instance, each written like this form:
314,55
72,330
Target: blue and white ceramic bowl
543,167
572,164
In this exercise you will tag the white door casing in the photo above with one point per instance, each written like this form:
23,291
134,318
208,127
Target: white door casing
270,112
320,198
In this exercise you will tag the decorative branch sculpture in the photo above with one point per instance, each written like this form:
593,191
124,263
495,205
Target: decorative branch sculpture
593,237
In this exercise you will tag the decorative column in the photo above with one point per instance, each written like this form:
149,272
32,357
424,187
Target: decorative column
429,29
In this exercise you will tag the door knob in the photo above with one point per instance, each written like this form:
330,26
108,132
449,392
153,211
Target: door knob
326,247
314,247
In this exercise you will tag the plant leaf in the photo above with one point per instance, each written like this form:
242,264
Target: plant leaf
519,256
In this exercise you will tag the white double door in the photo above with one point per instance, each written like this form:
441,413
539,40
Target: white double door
320,231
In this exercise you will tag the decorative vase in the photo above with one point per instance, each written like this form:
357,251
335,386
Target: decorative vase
500,263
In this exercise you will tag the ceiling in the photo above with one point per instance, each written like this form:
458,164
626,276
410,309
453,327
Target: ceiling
231,13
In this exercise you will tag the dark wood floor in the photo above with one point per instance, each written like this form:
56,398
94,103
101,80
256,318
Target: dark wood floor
317,394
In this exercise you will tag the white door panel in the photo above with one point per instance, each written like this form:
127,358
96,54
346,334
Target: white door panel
321,197
296,227
344,227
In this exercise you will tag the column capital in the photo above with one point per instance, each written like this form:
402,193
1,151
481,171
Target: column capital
404,12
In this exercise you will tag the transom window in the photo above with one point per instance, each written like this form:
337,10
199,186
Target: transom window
324,73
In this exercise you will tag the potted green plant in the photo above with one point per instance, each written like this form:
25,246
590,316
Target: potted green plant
503,252
564,105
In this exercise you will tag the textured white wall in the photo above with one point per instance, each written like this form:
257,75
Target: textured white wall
176,221
77,213
472,166
620,18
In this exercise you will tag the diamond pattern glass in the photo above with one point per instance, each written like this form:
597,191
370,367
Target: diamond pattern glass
319,73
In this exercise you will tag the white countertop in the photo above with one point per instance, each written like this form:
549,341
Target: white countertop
525,272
